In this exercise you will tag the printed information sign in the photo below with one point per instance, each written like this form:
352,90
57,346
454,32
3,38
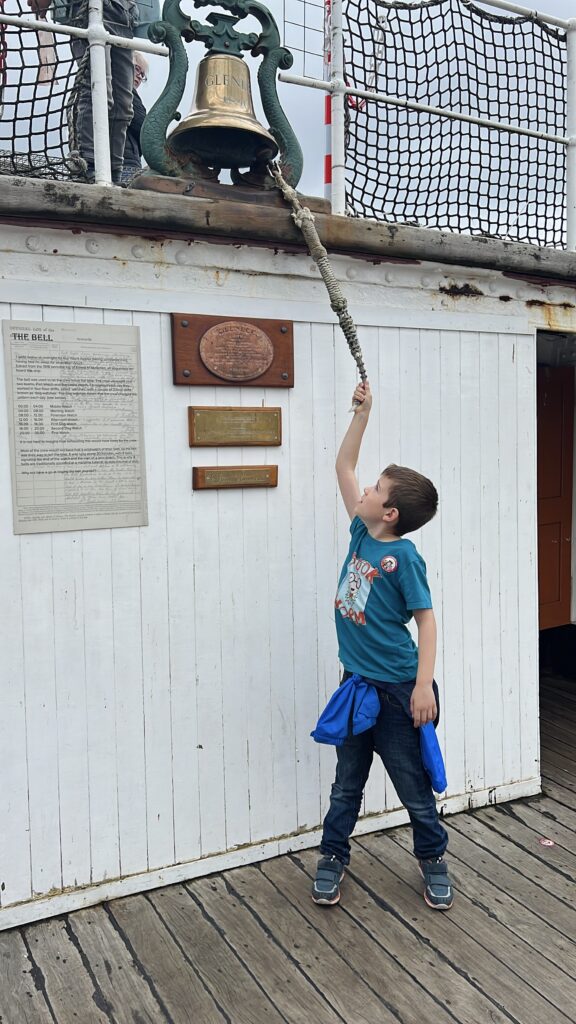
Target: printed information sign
75,425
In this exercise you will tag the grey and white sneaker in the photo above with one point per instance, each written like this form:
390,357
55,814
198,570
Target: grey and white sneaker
326,886
438,891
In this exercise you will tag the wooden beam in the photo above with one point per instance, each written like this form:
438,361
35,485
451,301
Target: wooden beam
74,206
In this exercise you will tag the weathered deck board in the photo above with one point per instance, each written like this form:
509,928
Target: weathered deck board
275,968
250,947
486,882
561,796
513,955
233,988
283,921
543,826
529,876
126,991
471,944
175,978
22,1000
71,990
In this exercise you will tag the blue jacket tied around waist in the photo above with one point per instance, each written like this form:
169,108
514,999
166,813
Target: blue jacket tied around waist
355,706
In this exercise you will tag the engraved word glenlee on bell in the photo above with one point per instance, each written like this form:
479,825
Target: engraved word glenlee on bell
221,130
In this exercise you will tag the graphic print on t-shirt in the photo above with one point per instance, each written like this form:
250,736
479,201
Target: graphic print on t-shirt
354,590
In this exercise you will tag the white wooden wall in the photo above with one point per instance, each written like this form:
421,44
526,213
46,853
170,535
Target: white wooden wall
158,685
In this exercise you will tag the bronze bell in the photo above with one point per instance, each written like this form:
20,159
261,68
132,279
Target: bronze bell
221,128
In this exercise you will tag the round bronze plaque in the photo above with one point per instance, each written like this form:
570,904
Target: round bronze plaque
236,351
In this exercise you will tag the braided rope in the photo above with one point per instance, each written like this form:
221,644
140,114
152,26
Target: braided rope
304,219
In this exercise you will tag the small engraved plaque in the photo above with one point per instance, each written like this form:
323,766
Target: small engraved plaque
236,350
213,425
206,478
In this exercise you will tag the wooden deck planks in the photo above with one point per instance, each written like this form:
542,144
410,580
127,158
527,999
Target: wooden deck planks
328,970
126,991
170,968
277,970
22,1000
565,728
562,797
498,862
526,836
546,826
528,868
486,882
392,968
71,989
480,923
233,988
469,940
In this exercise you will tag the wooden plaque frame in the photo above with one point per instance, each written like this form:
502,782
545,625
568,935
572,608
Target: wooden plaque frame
211,426
188,368
207,478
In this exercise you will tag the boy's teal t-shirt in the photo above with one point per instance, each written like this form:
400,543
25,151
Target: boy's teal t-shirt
380,586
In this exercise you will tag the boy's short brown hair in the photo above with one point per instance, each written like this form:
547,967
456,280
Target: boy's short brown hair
413,495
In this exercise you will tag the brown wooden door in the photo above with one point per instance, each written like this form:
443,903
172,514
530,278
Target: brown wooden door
555,444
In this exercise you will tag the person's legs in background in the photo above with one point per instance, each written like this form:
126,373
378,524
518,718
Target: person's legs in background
121,110
119,83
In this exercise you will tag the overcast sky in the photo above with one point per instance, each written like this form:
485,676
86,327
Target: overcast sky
304,107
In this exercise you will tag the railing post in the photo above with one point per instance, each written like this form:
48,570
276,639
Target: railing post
328,101
100,128
571,134
338,109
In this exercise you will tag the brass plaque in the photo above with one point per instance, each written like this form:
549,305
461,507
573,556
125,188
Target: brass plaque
206,478
236,351
211,425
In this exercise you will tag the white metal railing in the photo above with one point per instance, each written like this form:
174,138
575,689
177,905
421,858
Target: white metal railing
336,85
98,38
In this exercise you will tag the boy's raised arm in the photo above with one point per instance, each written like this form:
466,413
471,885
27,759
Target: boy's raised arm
350,448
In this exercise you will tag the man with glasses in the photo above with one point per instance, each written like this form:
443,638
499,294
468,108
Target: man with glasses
133,149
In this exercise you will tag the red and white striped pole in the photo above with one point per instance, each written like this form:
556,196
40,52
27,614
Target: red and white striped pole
328,100
337,116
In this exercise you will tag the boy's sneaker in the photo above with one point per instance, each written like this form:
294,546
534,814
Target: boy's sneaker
437,885
326,886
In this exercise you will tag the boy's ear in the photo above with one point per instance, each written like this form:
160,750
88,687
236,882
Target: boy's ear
391,515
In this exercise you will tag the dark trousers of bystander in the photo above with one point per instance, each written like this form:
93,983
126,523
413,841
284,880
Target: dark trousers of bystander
119,20
397,742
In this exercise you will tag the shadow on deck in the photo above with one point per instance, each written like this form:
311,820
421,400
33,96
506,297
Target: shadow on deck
249,946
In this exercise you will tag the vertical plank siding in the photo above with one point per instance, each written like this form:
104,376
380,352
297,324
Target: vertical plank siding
159,684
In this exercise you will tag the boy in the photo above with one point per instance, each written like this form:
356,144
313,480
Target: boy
382,584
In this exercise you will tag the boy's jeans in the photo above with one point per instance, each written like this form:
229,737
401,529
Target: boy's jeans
397,742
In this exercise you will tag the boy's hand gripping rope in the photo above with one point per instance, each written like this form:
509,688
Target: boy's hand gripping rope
304,219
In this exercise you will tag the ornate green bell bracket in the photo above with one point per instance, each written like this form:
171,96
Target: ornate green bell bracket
219,36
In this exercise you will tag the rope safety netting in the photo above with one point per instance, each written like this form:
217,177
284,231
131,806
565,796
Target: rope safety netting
39,81
419,168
